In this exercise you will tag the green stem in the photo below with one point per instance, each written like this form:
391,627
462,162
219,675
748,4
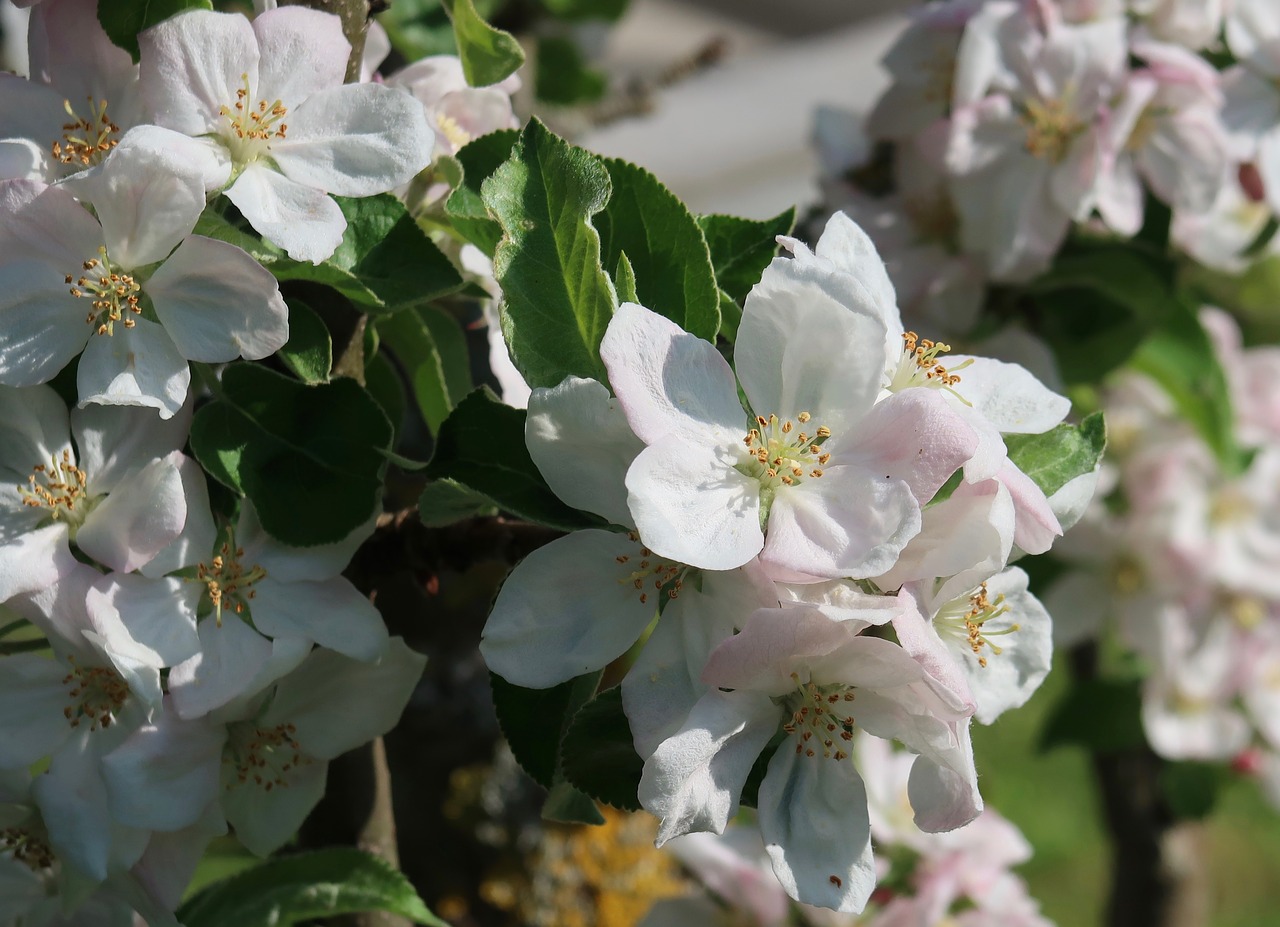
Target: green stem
13,647
13,626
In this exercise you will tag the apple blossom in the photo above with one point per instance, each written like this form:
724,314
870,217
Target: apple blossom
268,98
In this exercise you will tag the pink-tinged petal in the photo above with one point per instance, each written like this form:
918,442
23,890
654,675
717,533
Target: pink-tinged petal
166,774
265,820
114,441
668,380
335,704
942,797
569,608
803,344
965,538
691,505
918,638
663,684
813,817
841,600
914,436
138,519
148,194
302,51
231,656
199,533
331,612
694,780
850,523
299,218
159,614
1035,524
1009,396
355,140
581,442
192,64
137,366
217,303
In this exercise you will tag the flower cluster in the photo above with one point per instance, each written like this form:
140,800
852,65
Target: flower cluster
960,878
1012,120
169,667
823,537
1180,558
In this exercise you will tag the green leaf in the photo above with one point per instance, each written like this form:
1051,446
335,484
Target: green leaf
563,77
567,805
308,457
122,20
558,298
1180,357
624,280
488,54
481,445
1097,303
1057,456
742,248
383,382
385,262
478,160
309,350
665,247
534,720
586,9
433,351
598,755
1192,788
1101,715
730,317
305,886
445,502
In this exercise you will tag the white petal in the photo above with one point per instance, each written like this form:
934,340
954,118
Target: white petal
265,820
159,614
138,519
849,523
231,655
691,505
813,817
567,609
668,380
217,303
331,612
136,366
34,696
192,64
302,50
942,798
166,774
295,564
336,704
199,533
807,344
31,559
694,780
355,140
301,219
581,443
115,441
1014,674
1010,396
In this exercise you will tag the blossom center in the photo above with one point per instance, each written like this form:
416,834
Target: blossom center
452,130
227,581
253,127
263,755
780,454
59,486
26,848
86,140
965,620
646,570
112,294
97,694
818,719
1231,505
919,365
1051,128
